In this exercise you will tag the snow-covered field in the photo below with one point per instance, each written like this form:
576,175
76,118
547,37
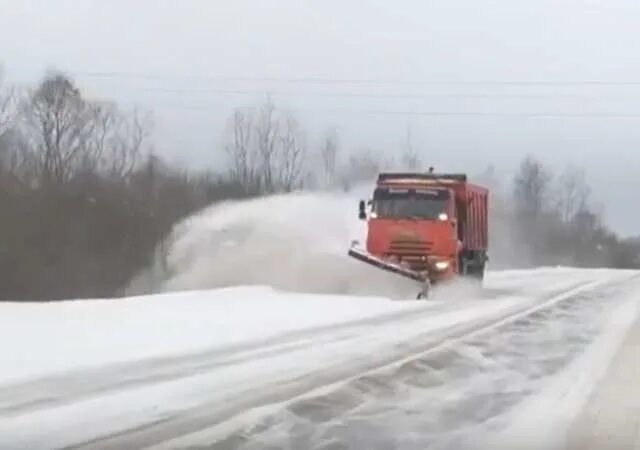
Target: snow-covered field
263,334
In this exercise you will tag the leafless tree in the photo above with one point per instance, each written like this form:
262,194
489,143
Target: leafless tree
242,153
573,193
7,107
290,155
531,188
329,158
267,129
62,124
266,150
120,140
68,135
8,145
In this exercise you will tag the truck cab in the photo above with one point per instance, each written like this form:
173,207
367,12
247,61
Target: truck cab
415,226
428,227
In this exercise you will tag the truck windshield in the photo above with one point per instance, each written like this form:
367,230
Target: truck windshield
409,204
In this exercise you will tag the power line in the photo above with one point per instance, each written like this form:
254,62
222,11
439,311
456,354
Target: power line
532,114
351,81
404,95
506,114
382,112
370,95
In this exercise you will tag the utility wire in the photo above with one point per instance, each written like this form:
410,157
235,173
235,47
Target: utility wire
403,95
370,95
321,80
406,113
382,112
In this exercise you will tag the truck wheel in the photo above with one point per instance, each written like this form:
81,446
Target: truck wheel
480,273
479,276
476,273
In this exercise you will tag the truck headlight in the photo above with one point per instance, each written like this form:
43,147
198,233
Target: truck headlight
443,217
441,265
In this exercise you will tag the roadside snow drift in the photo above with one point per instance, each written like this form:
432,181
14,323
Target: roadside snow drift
60,336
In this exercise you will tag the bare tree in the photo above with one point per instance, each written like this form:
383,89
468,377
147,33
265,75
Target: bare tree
328,158
290,156
531,188
267,129
119,141
241,152
9,157
7,107
266,150
68,135
573,193
63,123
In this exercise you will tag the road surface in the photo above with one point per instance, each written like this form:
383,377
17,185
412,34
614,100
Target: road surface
251,368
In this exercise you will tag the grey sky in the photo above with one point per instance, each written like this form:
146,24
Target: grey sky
184,50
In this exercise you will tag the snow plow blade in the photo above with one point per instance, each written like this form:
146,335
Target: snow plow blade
363,256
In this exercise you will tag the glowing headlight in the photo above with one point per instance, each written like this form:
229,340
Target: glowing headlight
443,217
441,265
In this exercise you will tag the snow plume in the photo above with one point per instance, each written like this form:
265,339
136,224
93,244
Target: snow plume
294,242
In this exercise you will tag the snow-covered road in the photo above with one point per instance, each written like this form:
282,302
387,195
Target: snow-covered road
254,367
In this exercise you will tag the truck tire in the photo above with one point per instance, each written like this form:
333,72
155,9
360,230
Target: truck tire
476,273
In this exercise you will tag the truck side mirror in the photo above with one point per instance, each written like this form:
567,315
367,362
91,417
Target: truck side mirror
362,214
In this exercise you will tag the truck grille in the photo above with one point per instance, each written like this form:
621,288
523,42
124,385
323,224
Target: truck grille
409,247
411,252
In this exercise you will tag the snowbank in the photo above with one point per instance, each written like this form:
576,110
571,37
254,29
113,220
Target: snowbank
58,336
53,337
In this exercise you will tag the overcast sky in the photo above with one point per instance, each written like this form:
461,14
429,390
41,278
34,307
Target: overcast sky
479,81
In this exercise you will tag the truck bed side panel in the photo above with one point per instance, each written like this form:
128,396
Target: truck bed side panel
475,235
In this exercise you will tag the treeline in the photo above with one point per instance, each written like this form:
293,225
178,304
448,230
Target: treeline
85,202
539,218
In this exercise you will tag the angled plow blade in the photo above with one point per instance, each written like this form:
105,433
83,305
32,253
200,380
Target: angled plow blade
365,257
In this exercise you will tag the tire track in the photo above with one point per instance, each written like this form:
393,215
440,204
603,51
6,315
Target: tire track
70,387
217,414
371,410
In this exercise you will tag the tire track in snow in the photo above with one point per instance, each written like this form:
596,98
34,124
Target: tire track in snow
23,397
73,386
329,377
488,372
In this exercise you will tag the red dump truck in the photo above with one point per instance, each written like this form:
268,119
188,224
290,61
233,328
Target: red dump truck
427,227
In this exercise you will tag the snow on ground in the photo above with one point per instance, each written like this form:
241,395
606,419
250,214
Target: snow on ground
519,386
246,351
562,399
60,336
